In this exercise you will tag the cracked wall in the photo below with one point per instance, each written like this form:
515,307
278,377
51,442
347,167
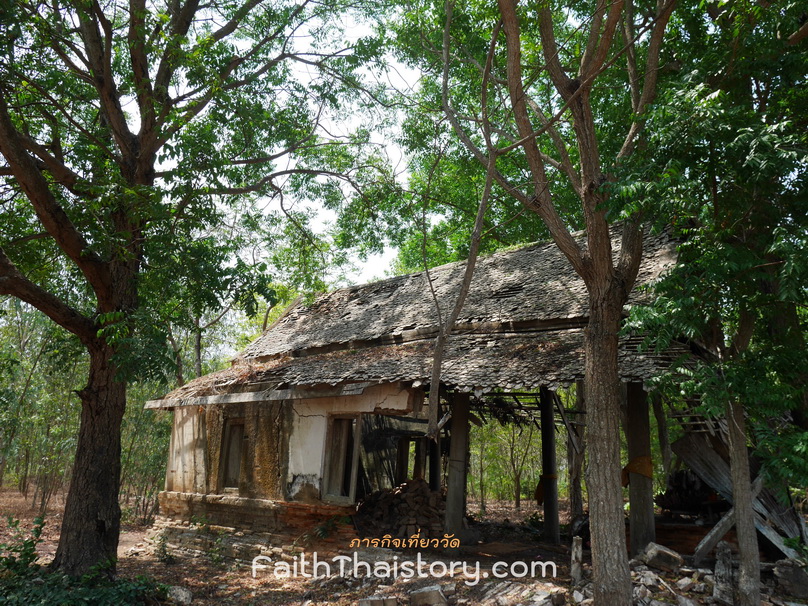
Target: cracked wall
197,439
283,448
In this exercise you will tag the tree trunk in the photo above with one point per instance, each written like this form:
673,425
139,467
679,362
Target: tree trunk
92,516
612,581
517,490
748,593
198,350
22,485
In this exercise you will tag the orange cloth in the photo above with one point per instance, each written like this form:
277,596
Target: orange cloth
643,466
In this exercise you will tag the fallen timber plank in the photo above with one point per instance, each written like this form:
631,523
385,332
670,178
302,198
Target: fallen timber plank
718,531
698,453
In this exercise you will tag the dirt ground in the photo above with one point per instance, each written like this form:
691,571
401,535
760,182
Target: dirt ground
504,539
213,583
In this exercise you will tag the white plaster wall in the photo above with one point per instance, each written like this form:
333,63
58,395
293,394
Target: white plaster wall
310,422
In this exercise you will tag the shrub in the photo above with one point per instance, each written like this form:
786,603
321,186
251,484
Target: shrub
24,582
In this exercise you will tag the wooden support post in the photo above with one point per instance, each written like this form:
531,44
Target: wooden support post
577,556
402,460
641,485
575,459
420,459
664,437
549,473
458,452
435,467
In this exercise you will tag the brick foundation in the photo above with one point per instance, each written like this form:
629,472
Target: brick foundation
229,527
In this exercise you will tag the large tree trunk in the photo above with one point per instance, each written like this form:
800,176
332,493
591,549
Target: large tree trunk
92,516
748,590
612,581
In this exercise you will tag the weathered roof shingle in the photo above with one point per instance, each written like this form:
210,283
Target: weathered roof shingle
520,328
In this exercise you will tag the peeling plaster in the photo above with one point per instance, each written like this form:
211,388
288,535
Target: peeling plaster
304,488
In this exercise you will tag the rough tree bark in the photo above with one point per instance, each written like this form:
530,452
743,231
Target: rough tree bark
109,61
748,589
91,523
608,282
609,555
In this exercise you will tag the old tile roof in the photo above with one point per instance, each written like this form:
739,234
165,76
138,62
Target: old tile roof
520,328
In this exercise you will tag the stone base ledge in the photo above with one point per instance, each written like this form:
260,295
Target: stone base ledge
229,527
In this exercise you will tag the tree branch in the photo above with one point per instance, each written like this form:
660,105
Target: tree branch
565,164
61,173
543,201
181,19
798,36
50,213
100,60
140,65
591,64
631,55
664,11
13,283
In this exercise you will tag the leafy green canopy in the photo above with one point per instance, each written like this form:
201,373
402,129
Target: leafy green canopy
431,218
730,174
164,131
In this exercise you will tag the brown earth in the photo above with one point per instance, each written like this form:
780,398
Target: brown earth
214,584
505,538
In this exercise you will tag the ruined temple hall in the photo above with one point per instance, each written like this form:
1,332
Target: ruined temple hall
328,405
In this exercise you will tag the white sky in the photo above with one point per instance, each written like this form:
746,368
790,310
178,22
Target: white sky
374,268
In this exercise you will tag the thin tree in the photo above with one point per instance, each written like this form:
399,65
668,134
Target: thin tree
558,139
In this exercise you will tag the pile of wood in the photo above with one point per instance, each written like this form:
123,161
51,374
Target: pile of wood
687,494
402,512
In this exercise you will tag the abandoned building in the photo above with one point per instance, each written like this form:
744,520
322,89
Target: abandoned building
328,404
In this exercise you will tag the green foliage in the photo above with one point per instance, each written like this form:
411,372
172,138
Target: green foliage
161,552
54,589
24,582
797,545
18,557
501,451
144,440
729,173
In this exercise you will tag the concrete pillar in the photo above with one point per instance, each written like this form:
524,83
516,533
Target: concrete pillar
641,488
458,452
549,472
